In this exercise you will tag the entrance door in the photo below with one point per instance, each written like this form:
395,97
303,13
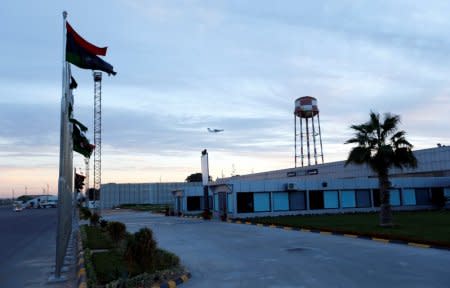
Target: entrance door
223,205
178,205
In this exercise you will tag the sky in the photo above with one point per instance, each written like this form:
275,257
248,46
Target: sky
184,66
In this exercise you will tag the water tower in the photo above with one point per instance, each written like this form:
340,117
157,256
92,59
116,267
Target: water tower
307,112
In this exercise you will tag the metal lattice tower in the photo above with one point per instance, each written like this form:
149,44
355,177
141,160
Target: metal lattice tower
97,134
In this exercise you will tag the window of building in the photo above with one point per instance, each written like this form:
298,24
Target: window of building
394,197
230,202
408,197
437,195
280,201
331,199
261,202
316,199
447,193
376,197
422,196
297,200
348,199
216,202
244,202
363,198
193,203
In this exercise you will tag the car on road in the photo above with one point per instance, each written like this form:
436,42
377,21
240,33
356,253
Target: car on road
17,209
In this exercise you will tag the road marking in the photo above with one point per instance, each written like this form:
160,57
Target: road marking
325,232
380,240
305,230
419,245
287,228
185,278
351,235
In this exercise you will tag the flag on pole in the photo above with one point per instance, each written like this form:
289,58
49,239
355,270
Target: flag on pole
73,84
83,54
79,182
80,142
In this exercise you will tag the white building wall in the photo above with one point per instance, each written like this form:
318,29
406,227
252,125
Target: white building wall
113,194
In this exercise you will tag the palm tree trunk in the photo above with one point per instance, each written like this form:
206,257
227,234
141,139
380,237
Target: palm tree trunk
385,207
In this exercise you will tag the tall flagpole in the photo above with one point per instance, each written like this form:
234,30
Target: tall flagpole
62,184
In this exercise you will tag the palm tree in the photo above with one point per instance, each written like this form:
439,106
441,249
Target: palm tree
381,145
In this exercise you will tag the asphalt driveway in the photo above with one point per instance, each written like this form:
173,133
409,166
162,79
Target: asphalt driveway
220,254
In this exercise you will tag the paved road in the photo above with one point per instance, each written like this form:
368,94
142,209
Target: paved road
232,255
27,247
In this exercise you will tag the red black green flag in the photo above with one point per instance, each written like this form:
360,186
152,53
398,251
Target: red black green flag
83,54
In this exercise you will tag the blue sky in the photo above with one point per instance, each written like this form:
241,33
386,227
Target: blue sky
184,66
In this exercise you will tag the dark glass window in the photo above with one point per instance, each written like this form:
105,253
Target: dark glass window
297,200
193,203
376,198
244,202
363,198
316,199
423,197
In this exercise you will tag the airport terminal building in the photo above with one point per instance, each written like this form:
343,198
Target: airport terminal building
323,188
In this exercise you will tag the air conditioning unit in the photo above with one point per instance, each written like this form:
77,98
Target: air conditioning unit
291,186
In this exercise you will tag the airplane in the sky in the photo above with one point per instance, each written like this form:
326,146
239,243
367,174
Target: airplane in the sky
214,130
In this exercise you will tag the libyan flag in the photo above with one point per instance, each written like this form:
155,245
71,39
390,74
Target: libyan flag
80,142
83,54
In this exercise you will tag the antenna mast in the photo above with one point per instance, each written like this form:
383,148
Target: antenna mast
97,136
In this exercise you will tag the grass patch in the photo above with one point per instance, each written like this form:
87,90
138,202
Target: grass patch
96,238
421,226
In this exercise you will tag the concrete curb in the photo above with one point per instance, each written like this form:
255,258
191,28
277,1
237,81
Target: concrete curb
365,237
81,269
173,283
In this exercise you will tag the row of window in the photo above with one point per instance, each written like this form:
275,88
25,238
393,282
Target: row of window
249,202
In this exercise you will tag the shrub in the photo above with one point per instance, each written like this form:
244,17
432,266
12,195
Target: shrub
165,260
103,223
95,218
117,231
85,213
108,266
95,238
140,252
89,266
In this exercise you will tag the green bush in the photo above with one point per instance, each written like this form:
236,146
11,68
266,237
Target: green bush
140,252
117,231
103,223
108,265
165,260
95,218
90,271
96,238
